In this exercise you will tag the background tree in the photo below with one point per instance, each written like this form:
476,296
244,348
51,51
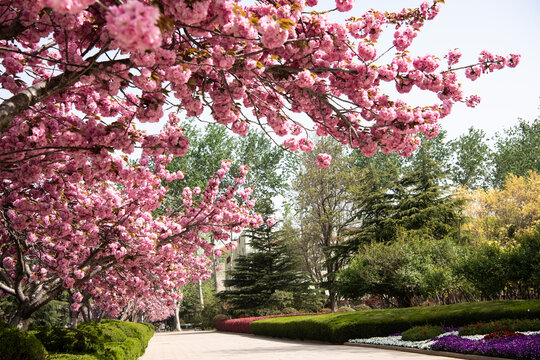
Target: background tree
516,151
270,169
325,203
375,206
471,164
424,203
502,214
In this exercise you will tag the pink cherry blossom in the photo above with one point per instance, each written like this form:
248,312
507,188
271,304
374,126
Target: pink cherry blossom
323,160
133,25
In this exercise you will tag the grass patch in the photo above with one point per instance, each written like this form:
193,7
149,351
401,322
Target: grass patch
340,327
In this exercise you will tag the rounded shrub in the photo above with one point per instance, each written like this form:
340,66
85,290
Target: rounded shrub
326,310
62,340
361,307
20,345
289,310
220,317
424,332
105,332
343,309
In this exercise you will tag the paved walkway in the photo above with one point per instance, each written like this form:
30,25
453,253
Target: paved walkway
209,345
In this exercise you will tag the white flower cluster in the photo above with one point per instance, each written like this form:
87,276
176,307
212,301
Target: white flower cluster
424,344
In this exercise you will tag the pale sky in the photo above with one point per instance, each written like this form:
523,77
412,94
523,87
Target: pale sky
499,26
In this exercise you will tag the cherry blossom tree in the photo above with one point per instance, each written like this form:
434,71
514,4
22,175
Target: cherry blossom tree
78,76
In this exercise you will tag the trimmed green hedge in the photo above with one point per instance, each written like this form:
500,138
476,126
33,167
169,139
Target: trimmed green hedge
62,340
107,340
119,340
340,327
20,345
72,357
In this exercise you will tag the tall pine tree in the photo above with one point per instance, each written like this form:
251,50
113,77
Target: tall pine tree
424,203
267,279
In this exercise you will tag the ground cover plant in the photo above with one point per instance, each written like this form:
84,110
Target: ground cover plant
507,344
521,347
340,327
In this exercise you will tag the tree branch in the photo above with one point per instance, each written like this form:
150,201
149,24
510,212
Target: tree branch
11,31
42,90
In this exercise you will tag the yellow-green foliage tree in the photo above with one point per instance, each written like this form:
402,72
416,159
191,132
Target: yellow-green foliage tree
502,214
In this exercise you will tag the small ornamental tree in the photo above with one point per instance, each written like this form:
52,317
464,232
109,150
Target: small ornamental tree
77,77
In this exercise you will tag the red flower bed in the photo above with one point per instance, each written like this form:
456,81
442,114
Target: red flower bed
242,325
501,334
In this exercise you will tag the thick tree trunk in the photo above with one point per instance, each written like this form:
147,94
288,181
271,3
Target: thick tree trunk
21,318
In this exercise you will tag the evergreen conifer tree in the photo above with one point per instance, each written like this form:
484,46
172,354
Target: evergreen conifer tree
424,202
267,280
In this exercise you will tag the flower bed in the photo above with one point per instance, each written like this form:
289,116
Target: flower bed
242,325
523,345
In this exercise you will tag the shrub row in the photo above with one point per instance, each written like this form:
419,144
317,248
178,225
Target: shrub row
242,325
108,340
119,340
20,345
338,328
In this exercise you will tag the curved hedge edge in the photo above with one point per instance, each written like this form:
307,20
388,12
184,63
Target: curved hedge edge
340,327
242,325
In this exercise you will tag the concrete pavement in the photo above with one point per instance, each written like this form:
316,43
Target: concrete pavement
210,345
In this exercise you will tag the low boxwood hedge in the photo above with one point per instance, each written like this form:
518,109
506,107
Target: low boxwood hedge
107,340
340,327
20,345
119,340
62,340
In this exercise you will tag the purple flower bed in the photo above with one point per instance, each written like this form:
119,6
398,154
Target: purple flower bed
517,347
